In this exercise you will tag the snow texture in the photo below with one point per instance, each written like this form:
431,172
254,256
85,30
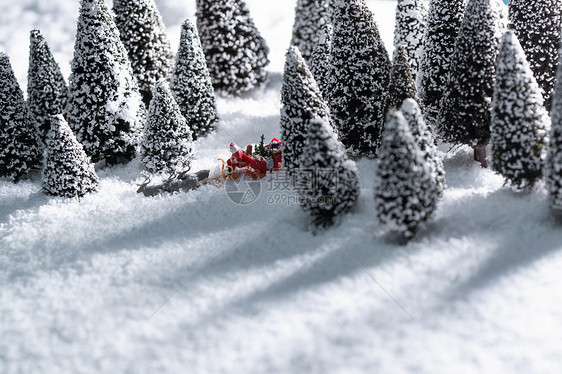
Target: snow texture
167,144
191,84
310,18
411,19
20,151
320,63
46,89
519,119
144,36
104,107
67,170
401,85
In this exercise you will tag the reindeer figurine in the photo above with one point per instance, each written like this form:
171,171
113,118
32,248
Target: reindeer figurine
183,181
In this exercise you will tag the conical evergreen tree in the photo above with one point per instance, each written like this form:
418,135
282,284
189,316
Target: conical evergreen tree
443,24
167,145
401,85
104,107
19,149
301,101
144,36
328,182
46,88
359,77
519,119
67,171
406,191
310,17
320,64
423,135
538,24
466,108
554,160
411,18
191,84
235,51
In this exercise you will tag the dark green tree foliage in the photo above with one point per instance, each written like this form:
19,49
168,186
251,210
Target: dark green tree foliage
19,149
554,160
310,17
67,171
104,108
191,84
519,119
359,77
235,51
144,36
167,145
328,182
538,24
401,85
301,101
411,18
423,135
320,64
46,88
406,191
466,109
443,24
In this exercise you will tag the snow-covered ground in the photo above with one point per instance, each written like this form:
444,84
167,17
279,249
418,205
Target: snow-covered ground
192,283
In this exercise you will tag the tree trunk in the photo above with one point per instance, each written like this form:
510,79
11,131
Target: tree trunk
480,156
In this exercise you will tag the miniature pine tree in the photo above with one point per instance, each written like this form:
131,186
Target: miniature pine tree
67,171
46,88
167,145
425,140
411,18
328,182
359,77
301,100
554,160
320,64
401,85
310,17
104,107
235,51
519,119
443,24
19,149
260,148
537,25
191,84
406,191
144,36
466,109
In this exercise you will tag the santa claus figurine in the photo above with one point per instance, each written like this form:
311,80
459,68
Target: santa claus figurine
238,159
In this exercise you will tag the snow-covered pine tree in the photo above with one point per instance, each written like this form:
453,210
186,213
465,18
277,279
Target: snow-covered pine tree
235,51
423,135
301,101
19,142
519,119
104,107
328,182
411,17
320,64
144,36
359,77
167,144
310,17
553,167
67,170
443,24
191,84
538,24
406,191
401,85
465,113
46,88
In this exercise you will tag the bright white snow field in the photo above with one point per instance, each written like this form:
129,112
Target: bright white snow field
192,283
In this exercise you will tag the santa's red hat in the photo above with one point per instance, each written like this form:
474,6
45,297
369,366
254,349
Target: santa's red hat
275,143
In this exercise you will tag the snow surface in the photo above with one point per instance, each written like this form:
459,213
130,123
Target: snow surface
192,283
